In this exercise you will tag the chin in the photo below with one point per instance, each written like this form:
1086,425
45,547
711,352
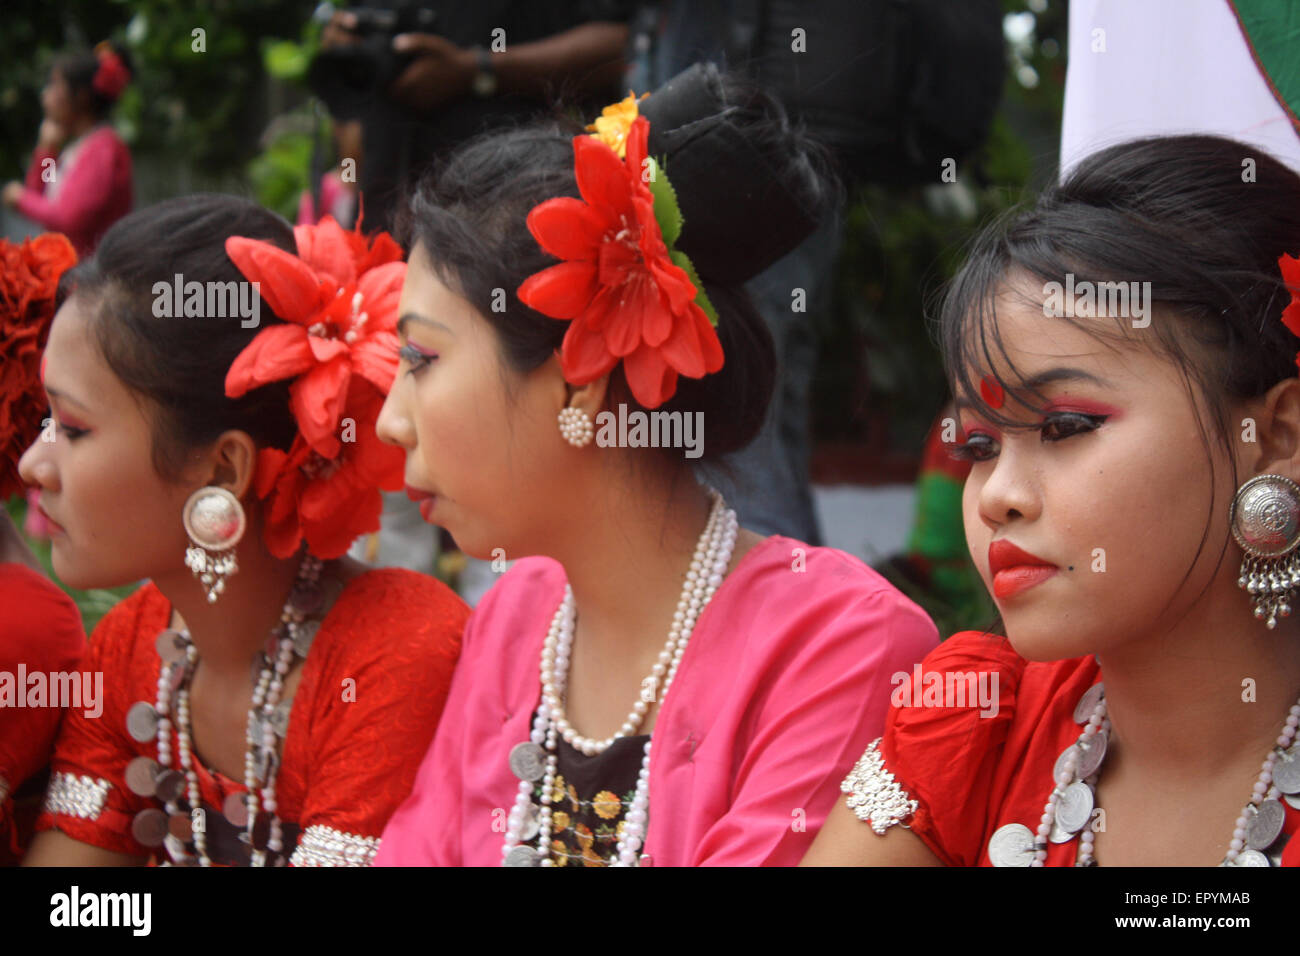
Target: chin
1047,635
82,577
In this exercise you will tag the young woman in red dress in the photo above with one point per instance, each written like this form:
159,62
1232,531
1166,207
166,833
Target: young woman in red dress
40,627
1132,507
268,700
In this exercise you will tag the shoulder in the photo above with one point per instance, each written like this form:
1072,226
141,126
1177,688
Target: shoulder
106,139
529,592
795,590
41,621
926,714
395,620
957,730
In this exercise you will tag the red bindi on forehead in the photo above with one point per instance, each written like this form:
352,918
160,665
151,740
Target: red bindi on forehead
991,391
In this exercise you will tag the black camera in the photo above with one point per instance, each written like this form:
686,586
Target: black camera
348,78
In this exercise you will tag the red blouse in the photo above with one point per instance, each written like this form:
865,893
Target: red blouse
372,690
968,774
40,634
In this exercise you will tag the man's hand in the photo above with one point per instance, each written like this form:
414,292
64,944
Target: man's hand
338,32
440,73
12,193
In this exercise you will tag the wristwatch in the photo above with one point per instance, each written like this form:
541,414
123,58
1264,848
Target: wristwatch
485,78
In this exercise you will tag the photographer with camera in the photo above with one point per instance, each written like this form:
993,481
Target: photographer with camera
424,76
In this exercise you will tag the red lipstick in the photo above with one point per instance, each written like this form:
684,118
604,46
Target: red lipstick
1015,570
55,527
425,500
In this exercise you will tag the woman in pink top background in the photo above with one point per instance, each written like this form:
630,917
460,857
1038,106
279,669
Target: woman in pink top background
779,657
79,180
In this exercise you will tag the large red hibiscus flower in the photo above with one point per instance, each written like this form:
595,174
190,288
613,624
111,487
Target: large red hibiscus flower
625,296
338,298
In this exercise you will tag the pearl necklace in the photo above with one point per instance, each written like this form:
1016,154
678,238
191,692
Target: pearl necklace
260,749
530,762
1073,799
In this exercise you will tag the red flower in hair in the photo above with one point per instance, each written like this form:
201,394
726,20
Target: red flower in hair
111,76
339,343
338,298
1290,267
328,501
625,297
29,277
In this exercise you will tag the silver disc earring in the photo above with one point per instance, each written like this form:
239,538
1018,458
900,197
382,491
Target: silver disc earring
1265,519
575,426
214,520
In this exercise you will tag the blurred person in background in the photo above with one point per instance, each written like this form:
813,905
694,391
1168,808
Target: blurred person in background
418,78
893,90
79,180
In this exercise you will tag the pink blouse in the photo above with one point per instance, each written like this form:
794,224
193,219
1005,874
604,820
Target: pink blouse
91,192
784,683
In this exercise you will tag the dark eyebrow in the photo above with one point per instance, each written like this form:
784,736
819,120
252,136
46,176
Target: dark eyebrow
413,317
55,393
1049,377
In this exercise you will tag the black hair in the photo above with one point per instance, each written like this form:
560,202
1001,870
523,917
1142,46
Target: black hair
78,70
179,364
1203,218
468,213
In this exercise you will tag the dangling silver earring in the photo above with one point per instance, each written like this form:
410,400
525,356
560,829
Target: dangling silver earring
575,426
1265,519
214,520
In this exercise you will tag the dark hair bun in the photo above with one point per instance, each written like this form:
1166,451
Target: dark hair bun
749,186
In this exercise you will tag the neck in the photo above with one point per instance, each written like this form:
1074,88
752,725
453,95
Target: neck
80,126
13,548
1209,693
627,565
228,634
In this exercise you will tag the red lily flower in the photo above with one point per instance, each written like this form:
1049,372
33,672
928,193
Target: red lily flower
626,299
338,298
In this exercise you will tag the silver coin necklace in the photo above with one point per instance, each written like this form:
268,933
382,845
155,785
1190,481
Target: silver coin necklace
180,831
1257,838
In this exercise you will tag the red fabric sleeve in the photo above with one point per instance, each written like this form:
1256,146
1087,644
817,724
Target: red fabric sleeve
945,757
379,695
98,748
83,194
42,631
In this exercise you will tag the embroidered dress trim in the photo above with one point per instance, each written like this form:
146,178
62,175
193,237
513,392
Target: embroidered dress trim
874,795
76,796
325,846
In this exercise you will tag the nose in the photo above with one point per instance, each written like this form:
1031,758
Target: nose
36,466
394,426
1010,490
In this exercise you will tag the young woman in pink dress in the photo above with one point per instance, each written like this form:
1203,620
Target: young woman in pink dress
79,179
640,612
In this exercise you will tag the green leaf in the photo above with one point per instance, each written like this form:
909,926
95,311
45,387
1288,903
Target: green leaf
701,297
285,60
667,213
